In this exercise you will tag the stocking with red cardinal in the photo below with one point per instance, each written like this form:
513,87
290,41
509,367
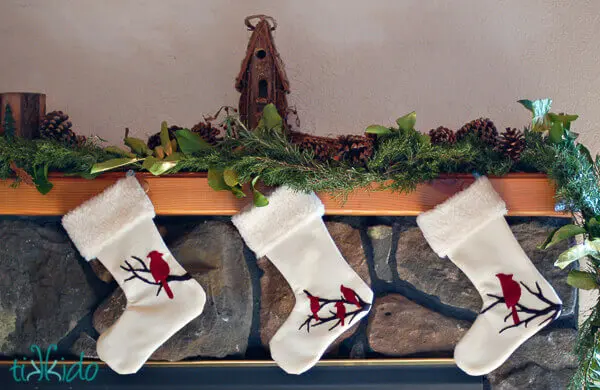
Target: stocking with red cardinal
330,296
518,302
116,227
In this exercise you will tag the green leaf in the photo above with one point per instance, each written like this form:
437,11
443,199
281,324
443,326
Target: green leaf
539,108
190,142
259,199
563,118
112,164
577,252
138,146
407,122
165,141
528,104
230,177
556,133
176,156
40,178
271,118
216,180
118,151
582,280
564,232
378,129
157,167
238,191
593,227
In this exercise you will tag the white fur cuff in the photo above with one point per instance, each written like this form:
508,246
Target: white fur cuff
264,227
452,222
101,220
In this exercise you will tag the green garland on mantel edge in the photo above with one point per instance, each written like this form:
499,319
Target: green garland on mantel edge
402,158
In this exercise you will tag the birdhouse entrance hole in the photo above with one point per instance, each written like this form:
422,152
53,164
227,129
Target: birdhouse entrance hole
261,53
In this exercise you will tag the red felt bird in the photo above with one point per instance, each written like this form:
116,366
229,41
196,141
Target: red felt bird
160,271
315,306
341,311
350,295
512,293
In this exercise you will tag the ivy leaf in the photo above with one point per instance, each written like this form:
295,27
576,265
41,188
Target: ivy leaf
259,199
407,122
271,118
378,129
556,133
165,141
40,178
216,180
582,280
577,252
190,142
112,164
561,234
157,167
230,177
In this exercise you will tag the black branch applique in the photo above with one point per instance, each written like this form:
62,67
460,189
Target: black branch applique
158,274
548,313
349,297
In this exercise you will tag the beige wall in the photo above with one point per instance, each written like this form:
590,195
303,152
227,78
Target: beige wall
115,63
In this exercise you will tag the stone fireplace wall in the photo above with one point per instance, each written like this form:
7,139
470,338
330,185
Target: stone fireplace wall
423,306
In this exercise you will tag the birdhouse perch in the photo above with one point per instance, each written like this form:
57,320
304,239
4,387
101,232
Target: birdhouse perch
262,79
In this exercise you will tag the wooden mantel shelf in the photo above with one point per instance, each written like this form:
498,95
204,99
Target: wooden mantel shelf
189,194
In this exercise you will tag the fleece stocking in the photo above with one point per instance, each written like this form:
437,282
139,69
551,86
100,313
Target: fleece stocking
116,227
330,296
518,302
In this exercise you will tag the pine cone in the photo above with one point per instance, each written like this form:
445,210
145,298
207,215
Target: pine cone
442,136
56,125
356,149
512,143
483,128
322,147
154,139
209,133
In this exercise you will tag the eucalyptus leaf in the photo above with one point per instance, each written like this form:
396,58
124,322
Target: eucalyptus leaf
190,142
216,180
165,141
556,133
582,280
112,164
407,122
40,179
230,177
563,233
378,129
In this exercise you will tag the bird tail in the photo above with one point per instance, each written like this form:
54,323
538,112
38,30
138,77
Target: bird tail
316,316
515,316
342,321
165,285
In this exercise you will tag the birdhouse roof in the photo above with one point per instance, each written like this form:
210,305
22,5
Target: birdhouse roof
262,28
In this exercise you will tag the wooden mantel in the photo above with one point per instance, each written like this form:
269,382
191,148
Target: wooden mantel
189,194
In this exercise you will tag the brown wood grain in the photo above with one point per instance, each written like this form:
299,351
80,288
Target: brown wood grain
189,194
27,109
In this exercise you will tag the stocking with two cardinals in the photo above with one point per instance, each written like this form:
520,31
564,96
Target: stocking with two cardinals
518,302
330,296
116,227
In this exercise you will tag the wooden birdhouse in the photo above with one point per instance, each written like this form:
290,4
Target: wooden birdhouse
262,79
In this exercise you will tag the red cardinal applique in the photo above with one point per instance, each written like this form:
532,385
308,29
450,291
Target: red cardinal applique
340,312
350,295
160,271
512,293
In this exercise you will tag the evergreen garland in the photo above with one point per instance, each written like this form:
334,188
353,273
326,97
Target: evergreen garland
402,158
